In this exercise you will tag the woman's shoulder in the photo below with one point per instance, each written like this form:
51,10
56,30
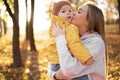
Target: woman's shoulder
93,35
92,38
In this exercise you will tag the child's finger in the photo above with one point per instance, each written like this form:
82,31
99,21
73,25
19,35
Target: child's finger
56,24
54,30
63,26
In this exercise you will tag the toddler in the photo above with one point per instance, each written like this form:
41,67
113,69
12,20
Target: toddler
63,14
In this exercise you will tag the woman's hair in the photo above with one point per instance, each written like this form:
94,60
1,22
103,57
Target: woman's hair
96,20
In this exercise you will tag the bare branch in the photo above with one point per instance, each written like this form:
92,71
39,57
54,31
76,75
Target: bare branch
8,8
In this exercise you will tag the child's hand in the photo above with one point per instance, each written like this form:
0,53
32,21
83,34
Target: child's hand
57,31
90,61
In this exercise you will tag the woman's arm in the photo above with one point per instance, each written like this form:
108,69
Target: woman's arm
67,61
55,74
70,66
50,72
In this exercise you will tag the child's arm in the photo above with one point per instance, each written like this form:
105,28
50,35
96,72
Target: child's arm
52,57
76,47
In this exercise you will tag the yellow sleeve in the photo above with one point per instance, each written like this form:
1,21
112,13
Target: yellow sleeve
59,20
75,45
53,56
53,20
52,44
52,47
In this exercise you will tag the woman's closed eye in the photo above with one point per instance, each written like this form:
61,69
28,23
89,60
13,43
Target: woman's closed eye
79,12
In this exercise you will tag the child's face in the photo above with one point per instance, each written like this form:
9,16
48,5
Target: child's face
66,12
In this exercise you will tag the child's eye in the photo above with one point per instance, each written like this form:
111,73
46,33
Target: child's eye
63,11
70,10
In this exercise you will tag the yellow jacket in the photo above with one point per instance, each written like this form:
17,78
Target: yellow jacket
73,40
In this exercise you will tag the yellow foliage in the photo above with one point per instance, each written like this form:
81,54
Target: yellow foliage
43,53
2,76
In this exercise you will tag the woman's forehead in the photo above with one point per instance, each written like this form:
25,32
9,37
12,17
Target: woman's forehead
83,8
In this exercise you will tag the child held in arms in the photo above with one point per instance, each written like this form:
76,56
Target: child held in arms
62,15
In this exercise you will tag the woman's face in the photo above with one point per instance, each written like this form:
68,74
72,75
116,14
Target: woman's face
80,18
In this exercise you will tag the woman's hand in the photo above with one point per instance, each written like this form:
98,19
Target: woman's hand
57,31
59,75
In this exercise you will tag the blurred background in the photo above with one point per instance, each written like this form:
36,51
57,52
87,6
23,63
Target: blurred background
24,37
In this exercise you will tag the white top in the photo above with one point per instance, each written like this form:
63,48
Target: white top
72,68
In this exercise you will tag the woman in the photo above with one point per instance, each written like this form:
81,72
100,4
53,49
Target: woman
90,22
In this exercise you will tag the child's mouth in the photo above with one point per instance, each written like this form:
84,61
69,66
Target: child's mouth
69,17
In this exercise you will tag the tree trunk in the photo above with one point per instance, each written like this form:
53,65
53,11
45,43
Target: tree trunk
0,27
32,44
17,62
16,49
27,23
4,27
119,14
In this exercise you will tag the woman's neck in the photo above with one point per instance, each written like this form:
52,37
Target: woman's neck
83,30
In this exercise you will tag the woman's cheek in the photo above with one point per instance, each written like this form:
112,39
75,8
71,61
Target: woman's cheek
77,20
75,23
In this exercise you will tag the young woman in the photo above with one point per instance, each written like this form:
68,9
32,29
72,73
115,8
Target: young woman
90,22
63,13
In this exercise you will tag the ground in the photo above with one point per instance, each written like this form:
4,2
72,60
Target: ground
36,62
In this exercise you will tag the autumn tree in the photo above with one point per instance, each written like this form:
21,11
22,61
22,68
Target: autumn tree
31,34
119,14
27,22
17,62
3,18
29,25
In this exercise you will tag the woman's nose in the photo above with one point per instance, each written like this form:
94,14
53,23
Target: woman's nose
74,13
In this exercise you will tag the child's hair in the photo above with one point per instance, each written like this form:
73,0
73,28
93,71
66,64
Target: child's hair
57,6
